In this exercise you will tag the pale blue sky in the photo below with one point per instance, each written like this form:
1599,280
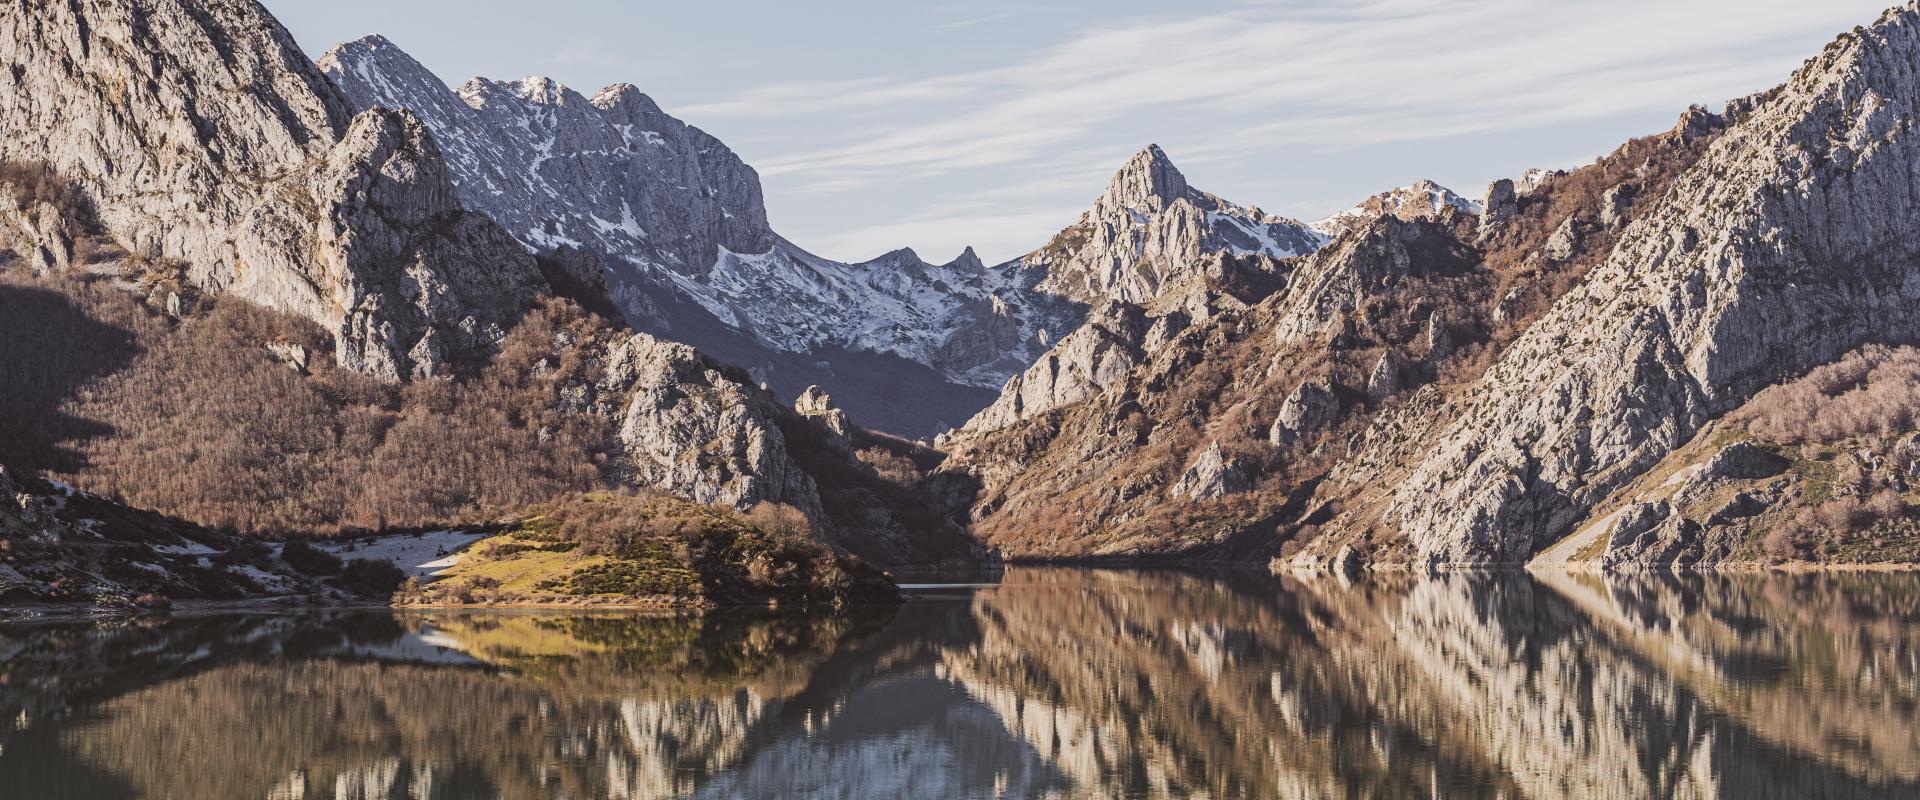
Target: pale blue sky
936,125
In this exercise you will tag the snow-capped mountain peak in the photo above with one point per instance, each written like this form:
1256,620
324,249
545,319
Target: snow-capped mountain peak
1152,231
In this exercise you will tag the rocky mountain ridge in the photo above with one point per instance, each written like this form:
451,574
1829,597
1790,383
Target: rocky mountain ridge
680,225
1473,388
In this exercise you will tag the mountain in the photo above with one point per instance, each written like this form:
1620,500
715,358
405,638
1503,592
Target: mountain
680,226
1152,257
679,223
1422,199
228,298
1151,232
205,144
1587,356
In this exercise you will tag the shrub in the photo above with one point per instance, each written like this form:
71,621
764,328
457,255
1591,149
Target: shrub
308,559
369,578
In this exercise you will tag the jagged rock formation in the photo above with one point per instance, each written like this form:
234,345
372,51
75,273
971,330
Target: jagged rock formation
200,133
1095,356
1423,199
1499,207
1498,380
691,429
1153,257
1392,319
1311,407
679,223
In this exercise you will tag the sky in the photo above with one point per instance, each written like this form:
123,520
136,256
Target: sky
939,125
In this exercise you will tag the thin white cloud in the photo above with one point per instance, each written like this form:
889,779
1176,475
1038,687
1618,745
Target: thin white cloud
1264,79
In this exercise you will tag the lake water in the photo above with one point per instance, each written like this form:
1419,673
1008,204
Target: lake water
1052,683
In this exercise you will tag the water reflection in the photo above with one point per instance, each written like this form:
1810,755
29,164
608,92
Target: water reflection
1056,683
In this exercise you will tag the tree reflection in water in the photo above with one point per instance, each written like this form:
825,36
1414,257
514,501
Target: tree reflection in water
1056,683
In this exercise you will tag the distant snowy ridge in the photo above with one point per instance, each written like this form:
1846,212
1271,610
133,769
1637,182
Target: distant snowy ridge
678,223
669,208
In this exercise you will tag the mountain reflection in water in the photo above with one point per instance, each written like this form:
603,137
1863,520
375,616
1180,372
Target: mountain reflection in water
1056,683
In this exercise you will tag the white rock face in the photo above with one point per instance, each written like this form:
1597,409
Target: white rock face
201,133
1336,280
1096,356
689,428
1789,243
1309,408
1213,475
1145,257
1499,208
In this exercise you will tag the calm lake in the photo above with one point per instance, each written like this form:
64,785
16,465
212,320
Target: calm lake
1053,682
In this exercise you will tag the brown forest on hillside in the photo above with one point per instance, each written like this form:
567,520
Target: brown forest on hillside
198,418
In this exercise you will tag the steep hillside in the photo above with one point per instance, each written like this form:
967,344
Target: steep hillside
1823,468
232,301
1786,245
1217,438
1469,390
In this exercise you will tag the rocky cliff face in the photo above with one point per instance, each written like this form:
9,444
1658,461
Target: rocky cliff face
201,134
689,428
1784,247
1491,383
1152,257
679,223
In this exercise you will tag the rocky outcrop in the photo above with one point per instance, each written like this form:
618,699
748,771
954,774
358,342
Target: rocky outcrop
1499,208
1212,475
1310,408
1098,355
1368,260
1565,241
200,133
815,405
689,428
419,276
1785,246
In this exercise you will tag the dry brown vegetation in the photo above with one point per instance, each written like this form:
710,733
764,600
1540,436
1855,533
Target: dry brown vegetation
234,416
28,185
1872,391
200,419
